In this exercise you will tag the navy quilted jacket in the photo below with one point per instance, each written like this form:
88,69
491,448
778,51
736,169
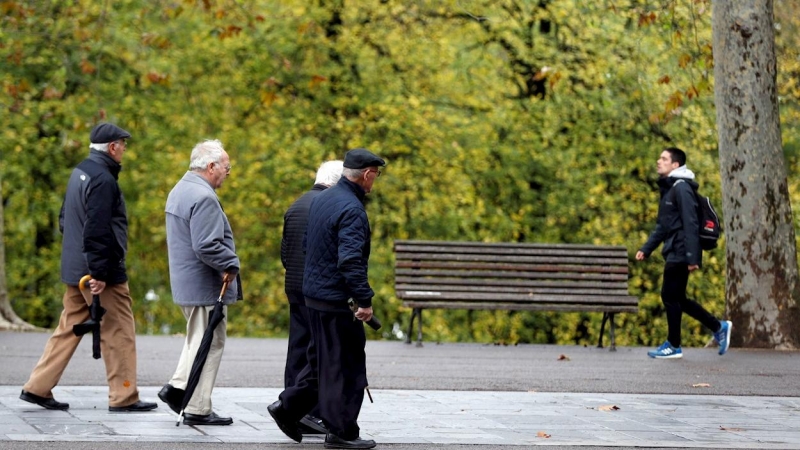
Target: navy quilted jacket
337,249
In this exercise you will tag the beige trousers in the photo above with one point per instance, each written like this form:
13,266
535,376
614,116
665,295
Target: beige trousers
196,324
117,344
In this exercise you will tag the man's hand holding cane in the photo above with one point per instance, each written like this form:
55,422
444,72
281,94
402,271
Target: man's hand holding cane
364,315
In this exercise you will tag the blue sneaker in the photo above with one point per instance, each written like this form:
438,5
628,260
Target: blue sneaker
723,336
666,351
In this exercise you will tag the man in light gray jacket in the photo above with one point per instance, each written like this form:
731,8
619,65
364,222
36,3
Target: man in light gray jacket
202,256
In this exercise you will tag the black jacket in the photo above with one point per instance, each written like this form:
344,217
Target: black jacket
94,223
293,255
677,225
337,249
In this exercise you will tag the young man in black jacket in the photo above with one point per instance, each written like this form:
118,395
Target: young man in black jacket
94,223
678,229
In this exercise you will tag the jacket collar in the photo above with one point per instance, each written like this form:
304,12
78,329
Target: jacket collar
666,183
353,187
196,178
105,160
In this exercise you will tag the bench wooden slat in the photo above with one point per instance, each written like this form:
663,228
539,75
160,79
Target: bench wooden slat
529,275
516,259
520,307
402,288
622,283
491,298
512,267
506,248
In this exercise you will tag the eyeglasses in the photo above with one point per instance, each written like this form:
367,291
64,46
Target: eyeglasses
226,167
377,172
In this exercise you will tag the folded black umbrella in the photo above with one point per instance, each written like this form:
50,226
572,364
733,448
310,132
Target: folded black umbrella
92,325
202,352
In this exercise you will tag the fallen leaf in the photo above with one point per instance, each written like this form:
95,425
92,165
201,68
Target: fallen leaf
730,429
608,408
701,385
542,434
563,357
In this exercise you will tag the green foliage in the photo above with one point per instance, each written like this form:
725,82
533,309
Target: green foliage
500,120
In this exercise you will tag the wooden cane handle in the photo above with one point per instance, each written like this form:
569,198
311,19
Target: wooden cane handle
85,279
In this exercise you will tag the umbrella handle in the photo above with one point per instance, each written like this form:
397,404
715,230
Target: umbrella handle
85,279
224,288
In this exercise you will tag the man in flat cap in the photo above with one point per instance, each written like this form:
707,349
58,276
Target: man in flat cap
94,225
337,253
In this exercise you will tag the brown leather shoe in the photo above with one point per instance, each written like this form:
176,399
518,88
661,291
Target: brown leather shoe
47,403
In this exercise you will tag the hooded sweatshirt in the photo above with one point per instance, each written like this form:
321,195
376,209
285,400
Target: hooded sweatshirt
677,226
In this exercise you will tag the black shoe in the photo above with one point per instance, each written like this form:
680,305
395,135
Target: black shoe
172,396
333,441
286,425
211,419
312,425
47,403
138,406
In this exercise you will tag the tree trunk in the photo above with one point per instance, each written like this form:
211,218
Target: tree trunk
762,287
8,318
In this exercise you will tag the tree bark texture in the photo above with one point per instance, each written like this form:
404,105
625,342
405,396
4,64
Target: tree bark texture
761,286
8,318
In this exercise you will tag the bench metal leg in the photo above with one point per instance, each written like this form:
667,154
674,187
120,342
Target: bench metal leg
419,325
417,312
613,334
602,330
611,331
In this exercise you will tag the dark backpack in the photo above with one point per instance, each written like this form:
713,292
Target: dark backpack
708,220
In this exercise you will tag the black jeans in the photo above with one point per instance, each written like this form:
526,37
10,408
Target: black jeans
673,294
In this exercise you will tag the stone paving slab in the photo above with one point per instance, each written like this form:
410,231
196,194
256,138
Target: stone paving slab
435,417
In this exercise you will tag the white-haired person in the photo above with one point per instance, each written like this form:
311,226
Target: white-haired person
202,256
293,258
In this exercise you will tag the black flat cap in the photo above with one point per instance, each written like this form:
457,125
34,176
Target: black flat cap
104,133
361,158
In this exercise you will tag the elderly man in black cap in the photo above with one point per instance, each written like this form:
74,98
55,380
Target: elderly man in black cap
337,253
94,225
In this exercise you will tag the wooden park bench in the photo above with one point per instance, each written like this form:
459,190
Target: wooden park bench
522,277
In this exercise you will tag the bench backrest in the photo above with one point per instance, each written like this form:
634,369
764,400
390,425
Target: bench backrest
477,275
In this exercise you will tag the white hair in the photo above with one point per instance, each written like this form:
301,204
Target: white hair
354,174
100,147
204,153
329,172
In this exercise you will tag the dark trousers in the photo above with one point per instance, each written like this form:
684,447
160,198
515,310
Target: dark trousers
336,375
299,339
297,355
673,294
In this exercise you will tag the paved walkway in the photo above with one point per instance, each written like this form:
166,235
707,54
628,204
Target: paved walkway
448,395
436,417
